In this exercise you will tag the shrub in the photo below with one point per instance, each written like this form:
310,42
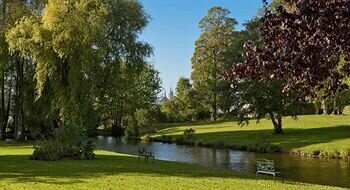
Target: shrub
346,153
316,152
147,138
132,132
46,150
166,139
87,149
189,133
218,144
264,148
68,142
335,154
179,140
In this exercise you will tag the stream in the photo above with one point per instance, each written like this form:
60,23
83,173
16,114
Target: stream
317,171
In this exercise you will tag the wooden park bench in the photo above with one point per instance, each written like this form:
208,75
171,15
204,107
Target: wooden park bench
142,152
264,166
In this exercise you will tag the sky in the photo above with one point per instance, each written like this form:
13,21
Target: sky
173,30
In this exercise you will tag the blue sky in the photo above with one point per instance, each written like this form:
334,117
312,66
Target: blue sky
173,30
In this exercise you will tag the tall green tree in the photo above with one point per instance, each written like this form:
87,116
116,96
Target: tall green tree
186,105
211,56
12,67
77,49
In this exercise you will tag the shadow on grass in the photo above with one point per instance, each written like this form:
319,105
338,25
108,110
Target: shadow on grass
20,169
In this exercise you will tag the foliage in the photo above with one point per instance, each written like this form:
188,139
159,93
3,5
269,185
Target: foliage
67,143
75,61
334,102
171,109
303,43
189,133
47,150
132,128
264,148
87,148
302,47
144,118
260,98
186,105
211,56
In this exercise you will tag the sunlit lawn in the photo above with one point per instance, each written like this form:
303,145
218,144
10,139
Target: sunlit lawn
307,133
120,171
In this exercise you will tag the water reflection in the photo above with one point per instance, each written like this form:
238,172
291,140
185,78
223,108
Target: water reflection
326,172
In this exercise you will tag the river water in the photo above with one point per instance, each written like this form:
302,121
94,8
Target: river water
318,171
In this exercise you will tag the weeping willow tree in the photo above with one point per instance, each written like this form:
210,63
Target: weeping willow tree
80,54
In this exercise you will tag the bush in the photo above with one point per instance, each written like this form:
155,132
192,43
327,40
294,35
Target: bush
179,140
189,133
87,149
264,148
46,150
346,153
132,132
147,138
218,144
68,142
166,139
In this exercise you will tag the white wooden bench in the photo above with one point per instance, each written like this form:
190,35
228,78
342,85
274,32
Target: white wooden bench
264,166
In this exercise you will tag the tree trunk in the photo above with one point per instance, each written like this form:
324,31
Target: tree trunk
55,124
117,129
18,121
324,107
317,108
214,108
8,108
4,3
2,131
335,107
214,96
276,124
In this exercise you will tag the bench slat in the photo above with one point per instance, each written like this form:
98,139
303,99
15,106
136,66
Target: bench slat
265,166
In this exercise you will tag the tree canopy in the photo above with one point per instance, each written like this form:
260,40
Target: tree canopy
303,44
83,55
211,55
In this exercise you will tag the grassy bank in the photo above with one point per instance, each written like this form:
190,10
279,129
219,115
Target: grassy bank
120,171
313,135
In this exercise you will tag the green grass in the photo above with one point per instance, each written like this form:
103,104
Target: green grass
120,171
307,133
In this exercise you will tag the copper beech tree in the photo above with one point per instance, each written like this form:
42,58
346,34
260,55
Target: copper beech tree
304,43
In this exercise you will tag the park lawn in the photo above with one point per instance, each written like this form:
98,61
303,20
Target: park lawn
307,133
120,171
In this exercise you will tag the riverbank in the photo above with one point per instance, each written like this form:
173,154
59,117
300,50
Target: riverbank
121,171
311,136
